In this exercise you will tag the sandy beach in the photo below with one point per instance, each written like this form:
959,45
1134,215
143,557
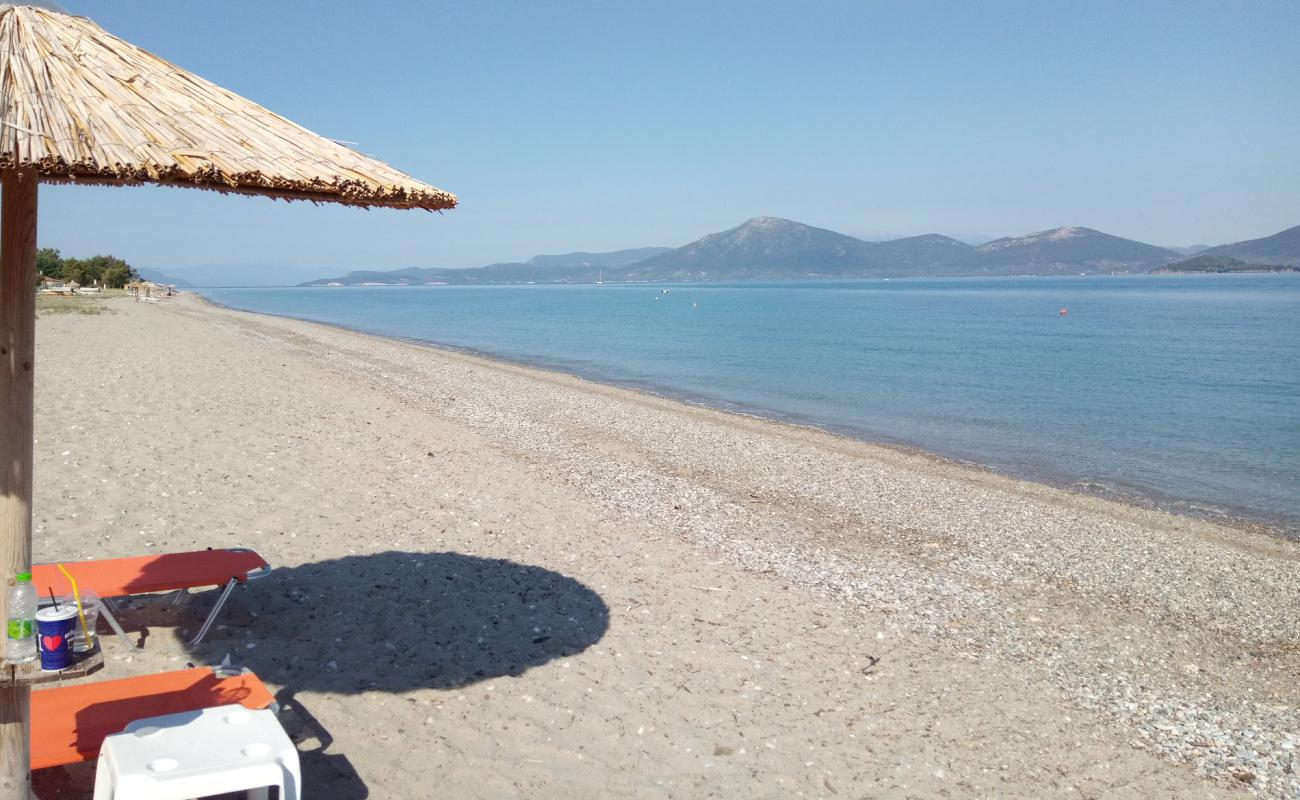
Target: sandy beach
496,581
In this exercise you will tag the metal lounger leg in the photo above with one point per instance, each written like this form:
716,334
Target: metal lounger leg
216,609
106,608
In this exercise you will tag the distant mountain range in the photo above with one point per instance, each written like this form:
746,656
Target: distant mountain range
163,277
767,248
1191,249
211,275
567,268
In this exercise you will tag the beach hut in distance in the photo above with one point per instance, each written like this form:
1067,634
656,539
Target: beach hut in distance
78,105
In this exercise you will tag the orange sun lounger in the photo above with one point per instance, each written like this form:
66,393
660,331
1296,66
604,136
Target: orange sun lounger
167,572
69,723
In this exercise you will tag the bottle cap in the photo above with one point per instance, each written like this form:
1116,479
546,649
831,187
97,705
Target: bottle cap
23,576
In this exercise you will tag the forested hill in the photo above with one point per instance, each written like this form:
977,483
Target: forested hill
1219,264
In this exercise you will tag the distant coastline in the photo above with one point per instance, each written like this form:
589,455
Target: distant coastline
1218,265
1251,269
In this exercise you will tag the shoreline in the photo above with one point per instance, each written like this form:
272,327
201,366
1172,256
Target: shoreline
1278,525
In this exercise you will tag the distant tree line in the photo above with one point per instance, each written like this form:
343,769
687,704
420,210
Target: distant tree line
108,271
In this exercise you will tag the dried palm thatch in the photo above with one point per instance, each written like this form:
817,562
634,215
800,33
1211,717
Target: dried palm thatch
80,105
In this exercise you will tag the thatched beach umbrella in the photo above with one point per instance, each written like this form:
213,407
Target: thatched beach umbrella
78,105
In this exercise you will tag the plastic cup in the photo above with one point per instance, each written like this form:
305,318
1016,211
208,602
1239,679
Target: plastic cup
54,636
90,607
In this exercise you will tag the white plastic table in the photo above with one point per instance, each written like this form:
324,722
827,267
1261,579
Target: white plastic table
199,753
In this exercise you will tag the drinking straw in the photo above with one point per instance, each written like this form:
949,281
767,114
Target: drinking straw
76,595
53,600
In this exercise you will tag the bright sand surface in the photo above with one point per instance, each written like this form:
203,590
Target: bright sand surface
495,581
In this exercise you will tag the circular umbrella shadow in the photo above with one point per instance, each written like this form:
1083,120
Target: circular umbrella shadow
398,621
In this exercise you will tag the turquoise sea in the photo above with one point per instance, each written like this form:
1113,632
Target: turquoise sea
1178,390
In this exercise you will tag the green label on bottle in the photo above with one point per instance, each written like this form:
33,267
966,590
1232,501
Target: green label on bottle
21,628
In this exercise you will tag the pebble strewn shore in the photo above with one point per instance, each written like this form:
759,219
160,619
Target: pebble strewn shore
1187,632
970,615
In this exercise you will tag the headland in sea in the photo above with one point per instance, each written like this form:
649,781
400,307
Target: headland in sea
503,580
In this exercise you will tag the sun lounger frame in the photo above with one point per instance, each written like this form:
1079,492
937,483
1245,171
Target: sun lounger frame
256,574
110,612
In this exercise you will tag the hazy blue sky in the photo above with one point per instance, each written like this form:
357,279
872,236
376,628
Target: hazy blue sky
595,126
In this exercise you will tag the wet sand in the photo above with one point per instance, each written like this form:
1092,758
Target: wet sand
498,581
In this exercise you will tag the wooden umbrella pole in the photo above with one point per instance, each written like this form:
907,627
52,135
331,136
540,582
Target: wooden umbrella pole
17,358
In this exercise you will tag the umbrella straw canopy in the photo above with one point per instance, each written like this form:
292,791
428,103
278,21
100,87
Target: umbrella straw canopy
81,105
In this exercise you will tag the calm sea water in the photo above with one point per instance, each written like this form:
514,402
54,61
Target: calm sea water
1181,390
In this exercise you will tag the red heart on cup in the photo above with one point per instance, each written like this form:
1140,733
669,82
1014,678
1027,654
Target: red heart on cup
52,643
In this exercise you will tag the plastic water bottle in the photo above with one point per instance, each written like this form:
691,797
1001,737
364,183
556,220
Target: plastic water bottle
20,647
